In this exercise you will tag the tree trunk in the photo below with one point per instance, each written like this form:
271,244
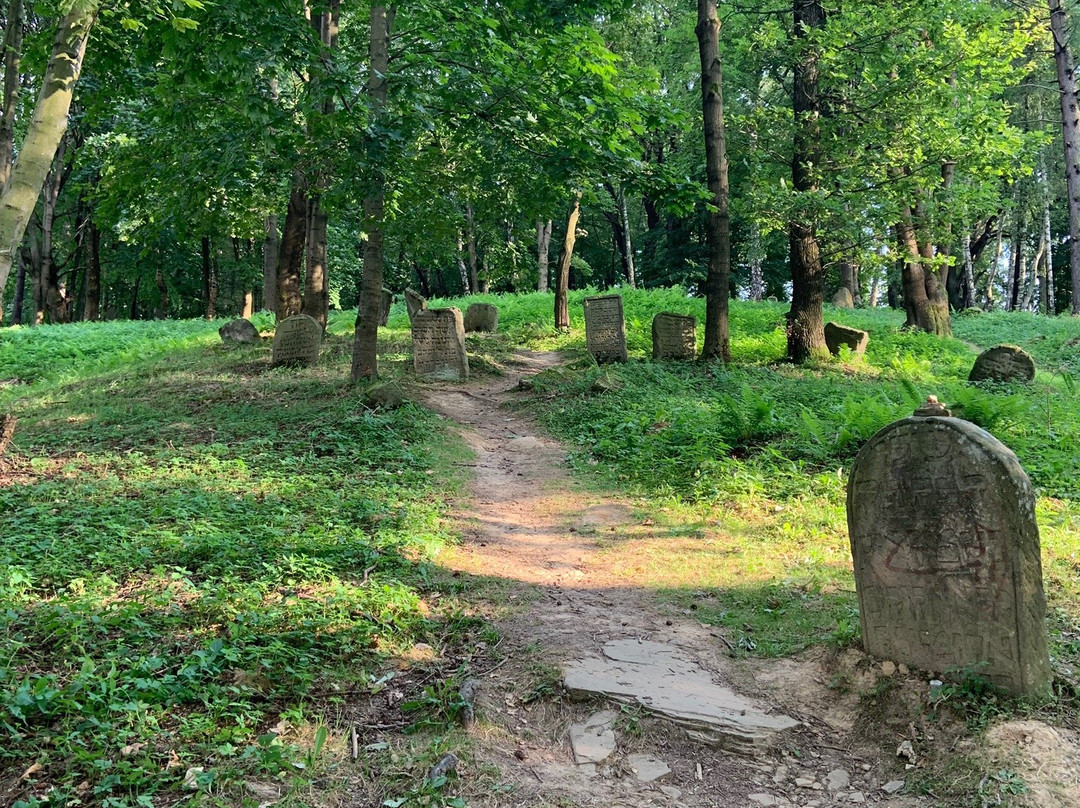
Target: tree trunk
1046,299
12,56
875,289
47,127
92,312
543,247
271,249
365,342
562,270
133,314
57,303
20,293
163,291
291,250
923,312
1016,277
470,233
991,273
210,284
717,229
1070,127
756,256
316,291
967,296
806,321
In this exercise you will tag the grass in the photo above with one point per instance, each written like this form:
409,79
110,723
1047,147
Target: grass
208,567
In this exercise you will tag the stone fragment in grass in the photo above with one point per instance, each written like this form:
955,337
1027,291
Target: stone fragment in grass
1003,363
837,335
238,332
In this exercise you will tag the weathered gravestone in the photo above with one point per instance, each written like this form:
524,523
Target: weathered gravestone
837,335
843,298
481,317
414,302
605,329
297,341
238,332
674,336
439,344
946,550
1003,363
384,306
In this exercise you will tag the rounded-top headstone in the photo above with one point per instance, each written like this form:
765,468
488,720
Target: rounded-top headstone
843,298
238,332
297,341
1003,363
481,317
946,551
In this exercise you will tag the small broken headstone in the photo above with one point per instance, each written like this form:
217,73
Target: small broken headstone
674,336
605,329
297,341
837,335
481,317
385,302
843,298
1003,363
237,332
414,303
439,344
946,550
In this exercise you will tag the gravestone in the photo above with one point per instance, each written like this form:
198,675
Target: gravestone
946,549
1003,363
837,335
384,306
843,299
414,302
297,341
481,317
605,329
439,344
674,336
238,332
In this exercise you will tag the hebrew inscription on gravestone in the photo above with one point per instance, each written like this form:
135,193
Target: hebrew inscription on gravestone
946,549
439,344
674,336
297,341
1003,363
605,329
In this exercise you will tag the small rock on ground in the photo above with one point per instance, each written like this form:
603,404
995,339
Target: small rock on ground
648,768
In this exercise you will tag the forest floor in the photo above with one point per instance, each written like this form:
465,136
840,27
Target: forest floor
535,535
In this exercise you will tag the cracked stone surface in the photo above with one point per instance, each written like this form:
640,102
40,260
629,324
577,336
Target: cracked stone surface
665,681
648,768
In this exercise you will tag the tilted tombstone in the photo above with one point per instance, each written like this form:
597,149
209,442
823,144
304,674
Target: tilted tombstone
385,303
1003,363
439,344
297,341
605,329
414,302
481,317
837,335
946,549
238,332
674,336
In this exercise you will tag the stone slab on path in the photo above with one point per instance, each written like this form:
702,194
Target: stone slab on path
594,741
665,681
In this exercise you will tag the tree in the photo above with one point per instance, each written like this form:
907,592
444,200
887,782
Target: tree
1070,127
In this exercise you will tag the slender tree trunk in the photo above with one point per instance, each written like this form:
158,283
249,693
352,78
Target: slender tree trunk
365,343
875,289
543,247
1049,304
56,301
463,270
12,56
717,229
92,312
566,256
316,291
271,248
806,321
210,286
133,313
291,251
470,233
967,298
991,273
1070,126
47,127
628,247
20,293
163,291
756,256
1017,276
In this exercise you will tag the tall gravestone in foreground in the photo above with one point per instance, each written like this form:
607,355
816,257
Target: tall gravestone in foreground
297,341
605,329
674,336
946,549
439,344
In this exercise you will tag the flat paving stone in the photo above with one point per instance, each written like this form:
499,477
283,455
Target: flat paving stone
594,740
648,768
663,680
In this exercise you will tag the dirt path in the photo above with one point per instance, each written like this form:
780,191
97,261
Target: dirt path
529,526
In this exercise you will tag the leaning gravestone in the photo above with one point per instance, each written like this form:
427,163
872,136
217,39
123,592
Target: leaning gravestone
674,336
297,341
414,302
236,332
1003,363
385,302
946,549
439,344
837,335
605,329
481,317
